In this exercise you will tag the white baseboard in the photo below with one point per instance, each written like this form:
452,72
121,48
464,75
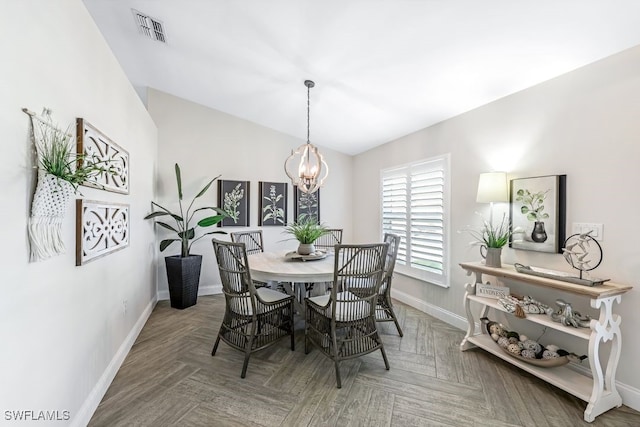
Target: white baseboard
93,400
453,319
630,395
202,290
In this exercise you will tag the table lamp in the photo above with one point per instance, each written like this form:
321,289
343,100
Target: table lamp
492,187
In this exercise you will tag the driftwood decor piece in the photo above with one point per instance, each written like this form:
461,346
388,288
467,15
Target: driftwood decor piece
101,228
93,144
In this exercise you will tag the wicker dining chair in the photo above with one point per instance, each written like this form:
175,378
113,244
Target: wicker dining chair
252,240
325,242
254,318
342,324
384,307
329,240
254,244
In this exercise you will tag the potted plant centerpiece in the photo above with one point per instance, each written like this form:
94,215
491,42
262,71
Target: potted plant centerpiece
306,230
183,271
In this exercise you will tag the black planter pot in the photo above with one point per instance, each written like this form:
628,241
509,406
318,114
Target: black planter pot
183,275
539,234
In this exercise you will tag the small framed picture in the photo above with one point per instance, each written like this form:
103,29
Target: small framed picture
307,204
273,203
233,197
538,213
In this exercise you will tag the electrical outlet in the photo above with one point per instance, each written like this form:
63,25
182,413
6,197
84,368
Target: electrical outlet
584,227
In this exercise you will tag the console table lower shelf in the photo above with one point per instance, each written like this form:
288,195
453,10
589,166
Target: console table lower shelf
597,386
562,377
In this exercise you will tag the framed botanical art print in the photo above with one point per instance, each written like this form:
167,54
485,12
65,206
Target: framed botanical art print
273,204
307,204
233,197
538,213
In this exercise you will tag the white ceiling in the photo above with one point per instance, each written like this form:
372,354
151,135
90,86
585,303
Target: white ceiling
383,68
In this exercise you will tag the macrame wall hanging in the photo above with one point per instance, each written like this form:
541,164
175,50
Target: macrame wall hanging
52,193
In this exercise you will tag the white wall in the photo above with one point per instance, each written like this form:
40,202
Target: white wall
584,124
64,328
206,143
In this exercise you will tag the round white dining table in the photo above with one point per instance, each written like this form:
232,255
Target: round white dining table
276,266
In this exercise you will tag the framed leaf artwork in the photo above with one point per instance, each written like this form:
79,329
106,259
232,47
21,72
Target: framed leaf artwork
233,197
538,213
273,204
307,204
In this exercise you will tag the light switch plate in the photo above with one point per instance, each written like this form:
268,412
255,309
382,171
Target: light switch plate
583,227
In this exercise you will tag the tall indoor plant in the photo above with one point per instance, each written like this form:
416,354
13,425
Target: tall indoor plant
183,271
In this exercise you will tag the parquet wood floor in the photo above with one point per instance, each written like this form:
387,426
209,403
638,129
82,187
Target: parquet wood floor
170,379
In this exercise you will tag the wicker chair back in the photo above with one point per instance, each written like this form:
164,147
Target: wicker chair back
329,240
252,240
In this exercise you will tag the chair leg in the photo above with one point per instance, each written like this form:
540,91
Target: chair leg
384,356
215,346
306,333
247,354
395,320
292,323
338,374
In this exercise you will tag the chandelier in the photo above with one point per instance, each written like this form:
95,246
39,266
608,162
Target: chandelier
312,169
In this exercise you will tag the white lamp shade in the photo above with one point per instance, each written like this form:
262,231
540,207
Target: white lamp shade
492,187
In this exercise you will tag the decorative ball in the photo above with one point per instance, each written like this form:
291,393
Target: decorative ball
521,345
553,348
514,349
547,354
495,337
529,354
503,342
532,345
513,340
495,328
513,334
524,338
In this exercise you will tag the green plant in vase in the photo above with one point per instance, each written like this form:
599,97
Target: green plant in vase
306,230
491,239
183,271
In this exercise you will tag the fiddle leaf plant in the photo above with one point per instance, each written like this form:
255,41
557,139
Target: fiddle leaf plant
185,232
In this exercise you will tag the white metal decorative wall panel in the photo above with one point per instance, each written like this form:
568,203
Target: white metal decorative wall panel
95,146
101,228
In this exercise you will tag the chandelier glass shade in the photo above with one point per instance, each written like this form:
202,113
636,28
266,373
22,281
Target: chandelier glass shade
310,168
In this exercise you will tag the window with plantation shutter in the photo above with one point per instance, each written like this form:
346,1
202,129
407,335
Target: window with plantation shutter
415,206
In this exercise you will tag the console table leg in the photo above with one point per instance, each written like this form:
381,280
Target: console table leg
604,395
465,344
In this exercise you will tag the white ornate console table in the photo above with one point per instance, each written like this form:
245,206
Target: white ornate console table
598,389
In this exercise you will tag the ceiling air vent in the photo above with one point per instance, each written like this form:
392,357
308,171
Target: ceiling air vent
149,27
